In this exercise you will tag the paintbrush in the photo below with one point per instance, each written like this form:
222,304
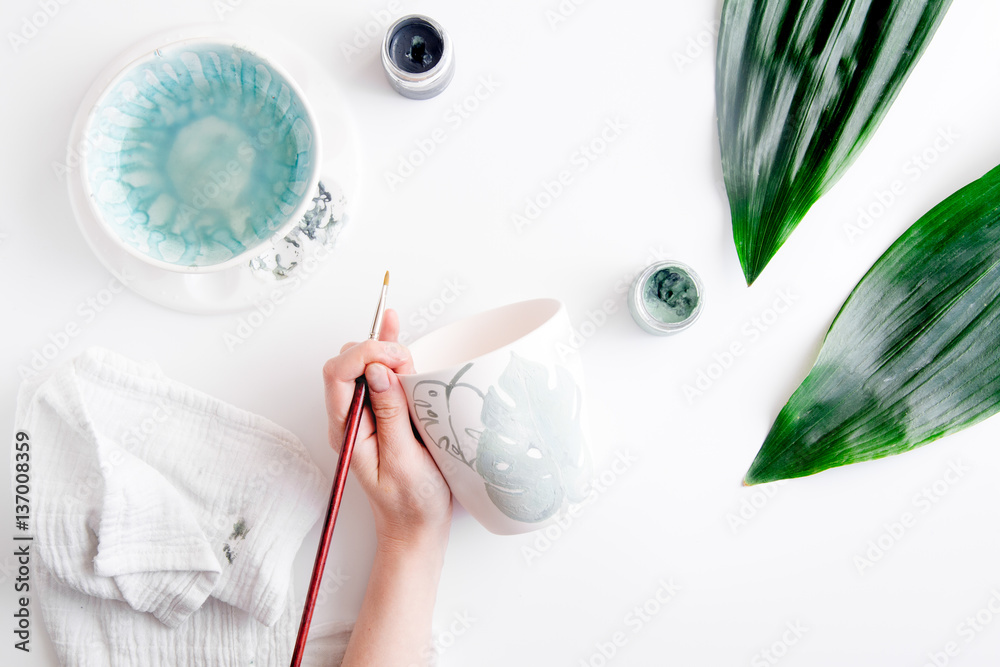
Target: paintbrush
339,481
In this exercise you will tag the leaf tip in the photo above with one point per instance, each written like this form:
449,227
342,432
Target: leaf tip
759,474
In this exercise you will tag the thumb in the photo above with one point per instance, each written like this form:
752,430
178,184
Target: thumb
392,417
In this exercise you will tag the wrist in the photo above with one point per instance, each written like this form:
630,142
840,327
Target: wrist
412,561
425,543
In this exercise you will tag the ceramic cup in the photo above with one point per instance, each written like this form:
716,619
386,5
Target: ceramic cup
200,153
498,401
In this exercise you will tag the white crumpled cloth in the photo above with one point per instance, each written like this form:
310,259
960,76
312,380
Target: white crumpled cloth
165,521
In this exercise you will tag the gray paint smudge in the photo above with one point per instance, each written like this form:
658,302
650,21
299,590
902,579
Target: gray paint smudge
240,530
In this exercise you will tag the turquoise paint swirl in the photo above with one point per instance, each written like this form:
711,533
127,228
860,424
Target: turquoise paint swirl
201,153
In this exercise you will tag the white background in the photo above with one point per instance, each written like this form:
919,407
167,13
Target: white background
656,189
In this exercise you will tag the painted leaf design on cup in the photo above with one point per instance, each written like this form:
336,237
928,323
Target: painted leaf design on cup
441,408
532,453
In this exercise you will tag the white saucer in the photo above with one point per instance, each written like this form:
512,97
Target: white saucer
239,287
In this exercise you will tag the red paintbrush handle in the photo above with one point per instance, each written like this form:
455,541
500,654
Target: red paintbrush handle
339,481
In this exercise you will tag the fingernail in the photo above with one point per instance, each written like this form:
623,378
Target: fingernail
377,376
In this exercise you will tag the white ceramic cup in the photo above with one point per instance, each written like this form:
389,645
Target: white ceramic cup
498,401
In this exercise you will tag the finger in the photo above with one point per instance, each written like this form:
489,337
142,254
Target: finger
390,333
364,462
390,326
338,425
348,366
340,373
392,417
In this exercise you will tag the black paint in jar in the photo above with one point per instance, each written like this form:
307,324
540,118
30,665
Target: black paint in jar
417,57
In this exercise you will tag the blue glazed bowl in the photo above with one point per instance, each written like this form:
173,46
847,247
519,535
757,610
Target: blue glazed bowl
200,153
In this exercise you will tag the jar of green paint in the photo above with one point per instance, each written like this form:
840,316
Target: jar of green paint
666,298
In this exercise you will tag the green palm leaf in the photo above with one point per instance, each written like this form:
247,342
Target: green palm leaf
800,87
914,353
